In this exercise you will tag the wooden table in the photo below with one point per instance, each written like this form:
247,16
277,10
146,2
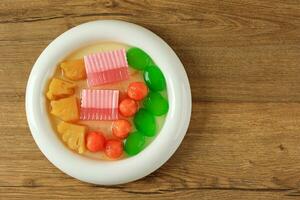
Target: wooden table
243,62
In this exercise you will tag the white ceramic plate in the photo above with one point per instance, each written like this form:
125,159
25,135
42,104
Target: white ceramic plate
153,156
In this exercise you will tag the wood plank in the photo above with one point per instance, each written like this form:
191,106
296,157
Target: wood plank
235,145
228,56
223,75
242,59
122,193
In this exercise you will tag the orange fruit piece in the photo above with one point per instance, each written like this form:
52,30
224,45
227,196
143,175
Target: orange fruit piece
114,148
74,69
121,128
66,109
128,107
137,91
95,141
60,88
73,135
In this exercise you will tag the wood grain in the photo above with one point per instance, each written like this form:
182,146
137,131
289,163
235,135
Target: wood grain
242,59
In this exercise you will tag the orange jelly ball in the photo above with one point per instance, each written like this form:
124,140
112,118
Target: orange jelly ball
128,107
121,128
95,141
137,91
114,148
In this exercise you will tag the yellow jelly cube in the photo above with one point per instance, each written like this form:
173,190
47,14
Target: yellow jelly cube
59,88
74,69
73,135
66,109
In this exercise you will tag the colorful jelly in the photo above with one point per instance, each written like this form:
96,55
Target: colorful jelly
107,101
156,104
154,78
138,59
135,143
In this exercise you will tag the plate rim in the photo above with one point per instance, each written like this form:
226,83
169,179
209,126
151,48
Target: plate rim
130,169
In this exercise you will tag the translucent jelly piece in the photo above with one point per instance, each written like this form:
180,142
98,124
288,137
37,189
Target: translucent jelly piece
134,143
154,78
106,67
138,59
99,104
156,104
144,121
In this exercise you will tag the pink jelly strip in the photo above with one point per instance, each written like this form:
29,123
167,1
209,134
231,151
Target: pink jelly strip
106,67
99,104
98,114
109,76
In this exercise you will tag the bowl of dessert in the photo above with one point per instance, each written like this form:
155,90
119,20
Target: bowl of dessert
108,102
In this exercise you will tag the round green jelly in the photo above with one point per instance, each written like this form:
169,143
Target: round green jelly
135,143
138,59
144,121
154,78
156,104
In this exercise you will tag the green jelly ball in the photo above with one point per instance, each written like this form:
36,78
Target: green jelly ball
144,121
138,59
135,143
154,78
156,104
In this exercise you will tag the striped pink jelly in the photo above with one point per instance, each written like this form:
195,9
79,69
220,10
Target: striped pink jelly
99,104
106,67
